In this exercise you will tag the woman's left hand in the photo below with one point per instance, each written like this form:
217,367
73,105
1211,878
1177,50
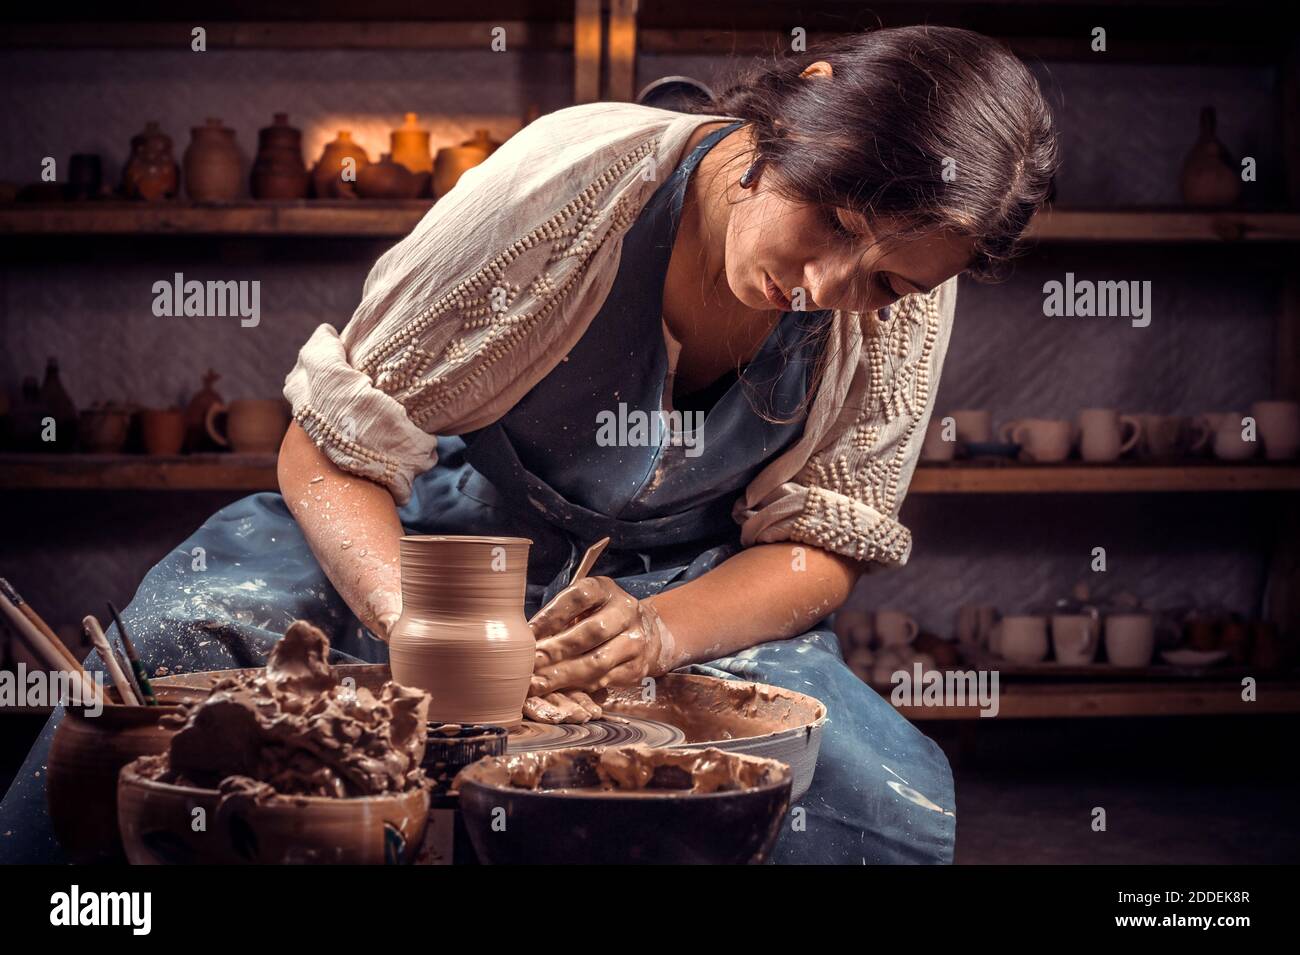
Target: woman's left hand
594,634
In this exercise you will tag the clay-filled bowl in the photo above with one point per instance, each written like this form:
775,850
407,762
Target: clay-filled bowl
566,821
157,821
81,774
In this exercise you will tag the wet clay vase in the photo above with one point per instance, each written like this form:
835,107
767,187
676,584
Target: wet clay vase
1210,177
278,170
196,415
151,173
462,636
388,180
334,177
453,162
251,426
81,775
156,821
212,163
409,146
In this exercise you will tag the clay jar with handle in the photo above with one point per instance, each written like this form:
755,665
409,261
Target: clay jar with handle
336,172
462,636
278,171
409,147
252,426
151,173
212,163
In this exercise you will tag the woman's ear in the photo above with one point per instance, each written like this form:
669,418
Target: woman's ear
821,69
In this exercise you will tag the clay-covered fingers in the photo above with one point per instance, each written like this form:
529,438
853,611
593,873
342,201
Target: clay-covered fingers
592,670
573,706
575,601
615,616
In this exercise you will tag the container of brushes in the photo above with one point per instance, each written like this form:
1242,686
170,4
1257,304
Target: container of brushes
88,751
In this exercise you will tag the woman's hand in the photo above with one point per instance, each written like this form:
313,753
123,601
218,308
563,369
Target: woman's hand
592,635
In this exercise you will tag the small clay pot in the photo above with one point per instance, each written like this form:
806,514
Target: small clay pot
327,178
212,163
1210,176
409,147
156,822
248,426
151,173
81,773
104,430
162,430
278,171
453,162
387,180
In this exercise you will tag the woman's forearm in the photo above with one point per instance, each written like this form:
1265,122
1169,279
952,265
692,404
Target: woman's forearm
352,527
766,592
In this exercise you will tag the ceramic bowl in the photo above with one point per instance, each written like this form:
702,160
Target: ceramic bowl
566,821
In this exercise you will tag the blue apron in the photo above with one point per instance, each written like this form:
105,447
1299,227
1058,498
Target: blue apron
882,792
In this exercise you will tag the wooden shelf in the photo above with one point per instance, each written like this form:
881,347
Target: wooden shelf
1076,478
1120,699
392,219
256,472
138,472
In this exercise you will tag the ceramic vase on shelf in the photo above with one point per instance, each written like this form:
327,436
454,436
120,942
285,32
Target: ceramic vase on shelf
1210,176
60,407
388,180
462,636
212,163
339,166
278,171
151,173
409,147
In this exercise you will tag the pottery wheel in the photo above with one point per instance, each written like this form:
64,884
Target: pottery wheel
617,731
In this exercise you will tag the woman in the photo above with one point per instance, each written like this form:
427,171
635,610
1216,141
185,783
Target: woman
781,274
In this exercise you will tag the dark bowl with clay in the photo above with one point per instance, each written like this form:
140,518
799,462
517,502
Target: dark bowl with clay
561,817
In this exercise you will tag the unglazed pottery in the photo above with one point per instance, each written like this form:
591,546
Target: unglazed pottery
196,415
1210,176
104,429
409,147
462,636
327,178
388,180
151,173
453,162
248,426
156,821
163,430
278,171
81,775
212,163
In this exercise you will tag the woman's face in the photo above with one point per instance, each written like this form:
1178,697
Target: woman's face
794,256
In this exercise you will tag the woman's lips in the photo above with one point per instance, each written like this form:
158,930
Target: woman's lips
774,293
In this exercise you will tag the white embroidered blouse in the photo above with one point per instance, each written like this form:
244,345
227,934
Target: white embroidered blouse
503,276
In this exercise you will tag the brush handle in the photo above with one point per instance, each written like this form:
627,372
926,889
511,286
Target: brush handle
40,645
110,661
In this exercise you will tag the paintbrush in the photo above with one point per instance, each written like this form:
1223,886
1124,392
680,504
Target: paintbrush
111,663
139,678
41,640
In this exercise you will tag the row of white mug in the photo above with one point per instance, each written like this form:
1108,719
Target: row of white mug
1103,434
1130,637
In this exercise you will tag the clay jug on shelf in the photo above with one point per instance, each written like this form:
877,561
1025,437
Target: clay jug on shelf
212,163
1210,177
462,636
333,176
196,415
387,180
151,173
278,171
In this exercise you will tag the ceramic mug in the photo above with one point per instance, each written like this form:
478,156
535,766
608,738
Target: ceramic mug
973,424
974,624
253,426
1228,443
1101,433
1131,638
1278,424
1042,440
1169,436
895,628
935,448
1075,638
1020,638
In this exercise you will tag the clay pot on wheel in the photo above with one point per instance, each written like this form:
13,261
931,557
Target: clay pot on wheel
462,636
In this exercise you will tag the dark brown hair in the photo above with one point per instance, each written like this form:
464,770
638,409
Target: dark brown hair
902,105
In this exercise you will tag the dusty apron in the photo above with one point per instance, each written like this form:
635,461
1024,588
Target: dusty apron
882,791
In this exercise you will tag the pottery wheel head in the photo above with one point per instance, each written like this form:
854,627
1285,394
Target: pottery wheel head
618,731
